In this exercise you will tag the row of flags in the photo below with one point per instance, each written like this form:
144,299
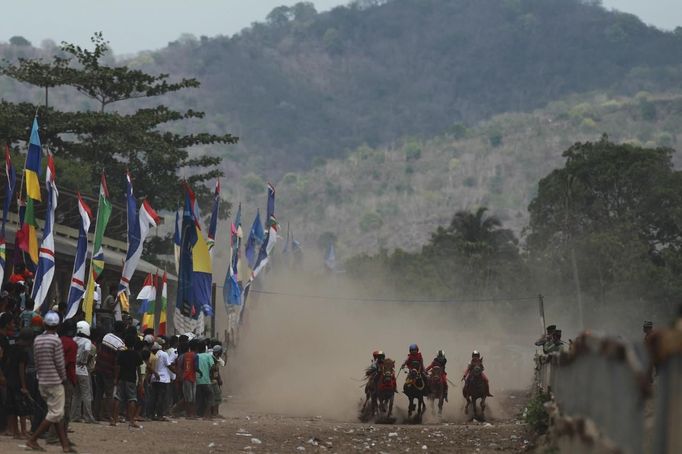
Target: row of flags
194,247
41,258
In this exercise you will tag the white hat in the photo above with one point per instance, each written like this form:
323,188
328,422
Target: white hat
156,346
149,339
51,319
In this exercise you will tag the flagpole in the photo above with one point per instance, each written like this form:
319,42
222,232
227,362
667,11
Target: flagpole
92,253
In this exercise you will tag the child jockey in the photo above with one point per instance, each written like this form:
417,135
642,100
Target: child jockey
440,360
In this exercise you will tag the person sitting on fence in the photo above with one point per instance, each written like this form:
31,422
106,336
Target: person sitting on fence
546,337
476,360
440,360
555,345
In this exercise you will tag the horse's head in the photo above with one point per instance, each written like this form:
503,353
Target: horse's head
387,377
477,370
436,371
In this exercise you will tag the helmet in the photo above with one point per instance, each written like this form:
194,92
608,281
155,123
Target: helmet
375,354
475,354
441,353
414,348
381,355
83,328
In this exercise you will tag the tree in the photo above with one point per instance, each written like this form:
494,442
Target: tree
610,220
19,41
140,142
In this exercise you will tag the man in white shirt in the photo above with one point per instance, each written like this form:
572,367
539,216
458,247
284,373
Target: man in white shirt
160,383
82,395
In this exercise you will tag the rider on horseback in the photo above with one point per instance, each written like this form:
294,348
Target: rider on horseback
414,360
378,358
440,360
476,360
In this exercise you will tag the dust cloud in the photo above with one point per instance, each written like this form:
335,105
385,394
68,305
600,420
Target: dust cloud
303,356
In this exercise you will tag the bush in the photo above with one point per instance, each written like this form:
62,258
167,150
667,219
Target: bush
535,414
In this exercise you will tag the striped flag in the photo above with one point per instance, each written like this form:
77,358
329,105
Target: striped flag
77,288
164,306
213,226
45,270
147,297
270,235
231,289
253,242
104,209
32,167
138,229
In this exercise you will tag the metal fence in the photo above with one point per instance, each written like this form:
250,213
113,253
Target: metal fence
599,389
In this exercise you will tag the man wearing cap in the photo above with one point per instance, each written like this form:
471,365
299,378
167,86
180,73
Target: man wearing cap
216,380
51,370
82,396
546,337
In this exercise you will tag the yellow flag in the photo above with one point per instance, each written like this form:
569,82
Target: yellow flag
89,300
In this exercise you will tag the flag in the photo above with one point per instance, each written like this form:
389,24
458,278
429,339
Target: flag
184,320
104,209
9,193
253,242
202,275
270,236
138,228
27,237
77,288
176,242
45,270
231,289
213,226
330,259
32,167
147,298
164,306
9,189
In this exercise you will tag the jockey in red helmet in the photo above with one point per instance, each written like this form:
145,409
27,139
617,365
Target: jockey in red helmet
476,360
440,360
377,360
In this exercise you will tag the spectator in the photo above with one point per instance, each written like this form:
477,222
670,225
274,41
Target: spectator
125,380
18,400
204,390
216,380
49,360
67,332
160,384
85,363
105,368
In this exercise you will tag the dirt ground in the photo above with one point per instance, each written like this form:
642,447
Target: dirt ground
242,432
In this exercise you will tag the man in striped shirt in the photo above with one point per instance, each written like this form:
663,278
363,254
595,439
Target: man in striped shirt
51,371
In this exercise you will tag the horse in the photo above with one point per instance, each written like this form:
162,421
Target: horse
369,405
475,388
385,391
436,390
416,387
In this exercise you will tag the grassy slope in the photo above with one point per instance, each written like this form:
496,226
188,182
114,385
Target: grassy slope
414,186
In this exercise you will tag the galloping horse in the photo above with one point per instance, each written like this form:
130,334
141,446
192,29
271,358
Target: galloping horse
385,390
436,389
474,389
368,407
416,387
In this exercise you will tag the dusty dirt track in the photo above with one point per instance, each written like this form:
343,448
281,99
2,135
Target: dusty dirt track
260,433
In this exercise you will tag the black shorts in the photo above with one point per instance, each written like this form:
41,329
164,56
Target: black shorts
17,403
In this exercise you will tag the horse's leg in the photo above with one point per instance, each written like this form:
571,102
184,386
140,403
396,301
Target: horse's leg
483,405
440,405
466,407
390,406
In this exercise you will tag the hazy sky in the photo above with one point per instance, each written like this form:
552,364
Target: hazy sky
133,25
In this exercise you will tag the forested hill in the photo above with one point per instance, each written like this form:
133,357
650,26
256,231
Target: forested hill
305,85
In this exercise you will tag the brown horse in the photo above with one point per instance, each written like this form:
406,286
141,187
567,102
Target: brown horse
436,390
475,388
416,387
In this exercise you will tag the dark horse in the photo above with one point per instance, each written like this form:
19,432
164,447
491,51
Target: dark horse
436,389
416,387
475,388
385,394
368,407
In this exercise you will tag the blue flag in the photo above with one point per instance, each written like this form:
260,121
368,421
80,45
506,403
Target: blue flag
256,236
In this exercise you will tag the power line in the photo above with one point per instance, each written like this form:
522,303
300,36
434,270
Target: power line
394,300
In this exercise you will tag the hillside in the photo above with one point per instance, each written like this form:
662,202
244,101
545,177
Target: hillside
304,86
392,197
